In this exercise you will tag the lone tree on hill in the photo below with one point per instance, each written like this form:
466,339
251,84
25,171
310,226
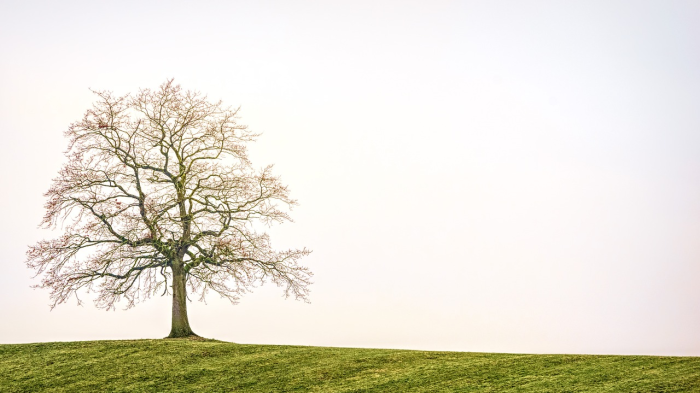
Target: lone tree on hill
158,196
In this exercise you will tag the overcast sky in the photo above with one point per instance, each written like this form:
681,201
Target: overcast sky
498,176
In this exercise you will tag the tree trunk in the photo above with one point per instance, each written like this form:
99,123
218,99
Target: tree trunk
181,325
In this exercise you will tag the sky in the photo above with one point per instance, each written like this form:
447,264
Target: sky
501,176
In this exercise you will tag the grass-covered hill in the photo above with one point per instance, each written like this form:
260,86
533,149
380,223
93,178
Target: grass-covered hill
213,366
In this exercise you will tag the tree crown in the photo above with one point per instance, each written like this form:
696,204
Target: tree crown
156,181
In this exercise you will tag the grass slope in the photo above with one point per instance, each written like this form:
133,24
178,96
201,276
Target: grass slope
213,366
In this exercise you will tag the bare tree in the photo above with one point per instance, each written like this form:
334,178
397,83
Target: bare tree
158,196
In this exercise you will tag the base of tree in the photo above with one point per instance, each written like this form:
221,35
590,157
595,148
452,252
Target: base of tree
190,337
193,337
184,333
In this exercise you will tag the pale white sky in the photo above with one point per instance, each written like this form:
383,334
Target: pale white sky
501,176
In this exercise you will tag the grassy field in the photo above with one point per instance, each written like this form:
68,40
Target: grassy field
213,366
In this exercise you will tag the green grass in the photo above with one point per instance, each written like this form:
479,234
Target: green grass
213,366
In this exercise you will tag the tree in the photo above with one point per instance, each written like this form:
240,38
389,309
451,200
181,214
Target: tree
158,196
